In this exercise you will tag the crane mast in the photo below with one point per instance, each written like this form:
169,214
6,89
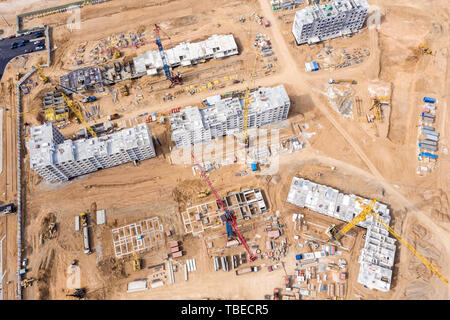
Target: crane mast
174,79
229,216
73,108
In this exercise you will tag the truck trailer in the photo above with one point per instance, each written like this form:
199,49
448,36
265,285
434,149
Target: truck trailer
246,270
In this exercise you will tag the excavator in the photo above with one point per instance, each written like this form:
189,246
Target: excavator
27,282
79,293
425,49
203,194
367,209
136,262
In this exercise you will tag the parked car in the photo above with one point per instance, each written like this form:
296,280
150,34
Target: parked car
39,42
40,48
21,44
25,41
1,39
14,45
38,35
12,36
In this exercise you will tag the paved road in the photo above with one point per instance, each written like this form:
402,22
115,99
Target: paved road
6,53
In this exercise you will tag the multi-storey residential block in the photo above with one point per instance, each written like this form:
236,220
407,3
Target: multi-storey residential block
322,22
57,159
226,116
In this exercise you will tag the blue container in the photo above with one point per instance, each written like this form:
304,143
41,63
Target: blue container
315,66
429,155
429,100
298,257
427,115
254,167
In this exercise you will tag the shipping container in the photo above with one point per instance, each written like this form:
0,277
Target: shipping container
428,115
174,249
433,133
429,155
428,128
429,142
427,147
173,244
429,100
431,137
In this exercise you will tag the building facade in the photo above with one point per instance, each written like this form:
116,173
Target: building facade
58,159
317,23
225,116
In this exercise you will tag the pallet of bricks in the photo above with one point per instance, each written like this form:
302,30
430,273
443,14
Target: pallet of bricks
428,137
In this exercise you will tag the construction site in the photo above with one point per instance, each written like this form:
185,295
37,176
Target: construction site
286,150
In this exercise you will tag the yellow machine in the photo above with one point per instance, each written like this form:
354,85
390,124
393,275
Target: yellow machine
27,282
124,90
18,75
116,53
203,194
367,209
425,49
83,217
136,263
41,74
73,107
247,102
376,107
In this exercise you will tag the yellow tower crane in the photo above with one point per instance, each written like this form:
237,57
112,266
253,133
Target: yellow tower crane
367,209
73,107
41,74
247,101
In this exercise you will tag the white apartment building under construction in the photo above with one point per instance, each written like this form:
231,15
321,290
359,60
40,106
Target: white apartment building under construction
58,159
186,54
377,256
225,116
322,22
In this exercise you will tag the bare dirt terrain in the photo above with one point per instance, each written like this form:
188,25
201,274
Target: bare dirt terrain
381,165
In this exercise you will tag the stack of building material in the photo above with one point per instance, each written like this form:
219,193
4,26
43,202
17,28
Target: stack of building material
191,265
137,285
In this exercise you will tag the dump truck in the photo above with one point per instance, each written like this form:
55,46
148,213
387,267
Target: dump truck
113,116
124,90
246,270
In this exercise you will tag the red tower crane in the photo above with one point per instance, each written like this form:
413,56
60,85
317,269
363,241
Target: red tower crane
228,216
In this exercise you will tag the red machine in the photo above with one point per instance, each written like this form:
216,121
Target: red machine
228,215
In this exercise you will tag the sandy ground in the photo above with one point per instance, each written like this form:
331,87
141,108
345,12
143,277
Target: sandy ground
366,165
